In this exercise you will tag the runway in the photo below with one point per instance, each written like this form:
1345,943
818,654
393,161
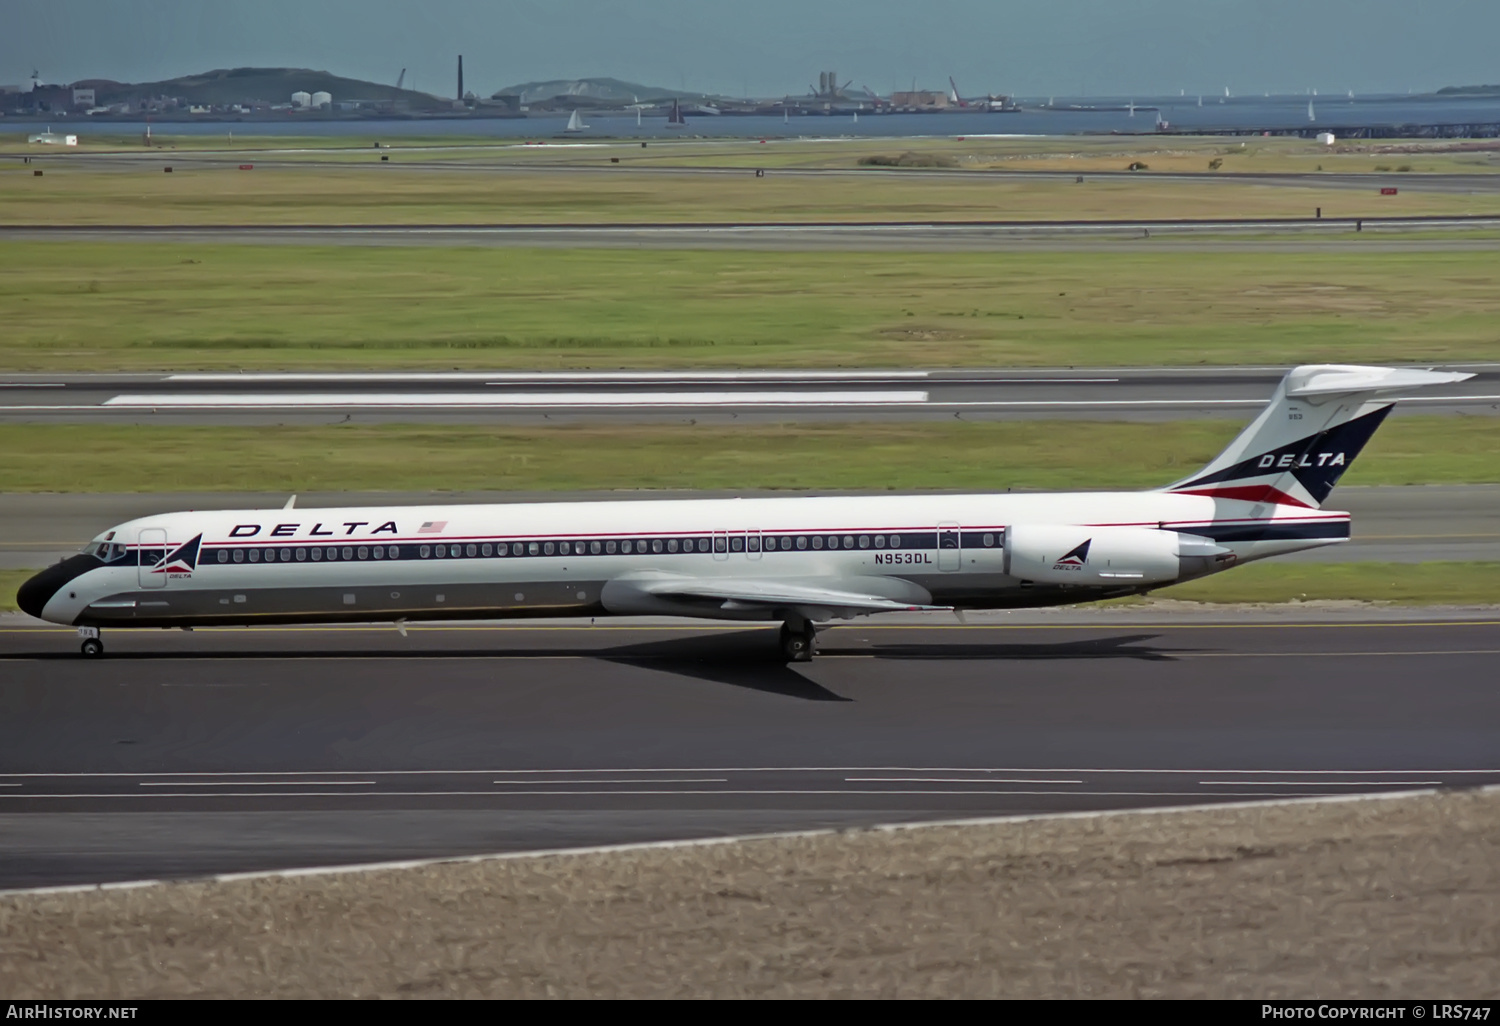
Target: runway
1391,524
1207,235
234,750
1151,393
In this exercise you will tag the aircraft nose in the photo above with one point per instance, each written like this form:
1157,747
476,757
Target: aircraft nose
36,592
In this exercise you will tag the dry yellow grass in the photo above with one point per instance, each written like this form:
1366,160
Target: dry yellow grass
1386,899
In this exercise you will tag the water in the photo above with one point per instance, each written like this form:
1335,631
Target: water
1180,112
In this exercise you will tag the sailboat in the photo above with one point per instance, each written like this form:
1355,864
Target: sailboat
856,117
675,119
575,123
1310,115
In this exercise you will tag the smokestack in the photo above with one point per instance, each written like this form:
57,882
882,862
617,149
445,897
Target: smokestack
460,76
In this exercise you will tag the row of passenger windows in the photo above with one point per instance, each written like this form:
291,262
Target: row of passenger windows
606,547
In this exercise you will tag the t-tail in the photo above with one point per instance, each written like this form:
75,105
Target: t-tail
1318,420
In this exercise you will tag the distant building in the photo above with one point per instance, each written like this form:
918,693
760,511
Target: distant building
51,138
931,98
301,99
1326,138
83,98
322,100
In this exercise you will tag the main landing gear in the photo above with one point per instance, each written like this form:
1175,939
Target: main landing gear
797,639
91,647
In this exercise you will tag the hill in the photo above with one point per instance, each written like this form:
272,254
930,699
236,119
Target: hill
243,85
1470,90
604,91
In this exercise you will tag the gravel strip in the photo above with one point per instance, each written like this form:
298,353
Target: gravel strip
1362,899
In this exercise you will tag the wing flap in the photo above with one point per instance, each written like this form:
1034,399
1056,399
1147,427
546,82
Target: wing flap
757,593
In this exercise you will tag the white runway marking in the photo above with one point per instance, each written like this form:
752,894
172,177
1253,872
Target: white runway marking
399,400
253,783
592,377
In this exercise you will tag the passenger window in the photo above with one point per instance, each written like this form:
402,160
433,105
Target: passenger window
736,544
801,543
702,544
594,548
671,544
880,541
378,552
719,545
239,556
394,552
656,545
610,547
487,550
533,549
471,551
864,541
255,555
286,555
270,555
817,541
348,553
364,553
753,542
517,548
848,541
425,551
895,541
302,555
317,554
989,541
223,556
440,551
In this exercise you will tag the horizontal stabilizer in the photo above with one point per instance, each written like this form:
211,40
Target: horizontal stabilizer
1334,379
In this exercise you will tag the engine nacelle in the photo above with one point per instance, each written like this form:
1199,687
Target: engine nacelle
1095,556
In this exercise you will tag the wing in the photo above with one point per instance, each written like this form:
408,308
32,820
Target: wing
814,598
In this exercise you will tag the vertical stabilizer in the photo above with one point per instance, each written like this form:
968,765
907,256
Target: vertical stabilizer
1317,421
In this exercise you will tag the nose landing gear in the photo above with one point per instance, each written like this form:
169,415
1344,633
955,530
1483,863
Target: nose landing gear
92,647
797,640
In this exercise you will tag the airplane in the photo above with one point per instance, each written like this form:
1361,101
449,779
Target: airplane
799,561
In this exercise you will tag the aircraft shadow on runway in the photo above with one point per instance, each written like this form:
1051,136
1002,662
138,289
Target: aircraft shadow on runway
743,659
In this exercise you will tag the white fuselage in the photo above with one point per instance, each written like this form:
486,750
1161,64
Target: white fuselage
560,559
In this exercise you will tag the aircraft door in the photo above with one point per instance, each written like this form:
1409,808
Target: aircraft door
950,547
153,549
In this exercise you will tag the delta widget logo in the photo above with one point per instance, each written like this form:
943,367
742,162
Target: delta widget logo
181,561
1074,560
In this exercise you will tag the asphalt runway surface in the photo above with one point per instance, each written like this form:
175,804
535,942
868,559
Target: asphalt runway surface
682,396
234,750
1395,524
1218,235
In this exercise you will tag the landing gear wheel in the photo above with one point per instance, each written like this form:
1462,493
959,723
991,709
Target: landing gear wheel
797,645
92,647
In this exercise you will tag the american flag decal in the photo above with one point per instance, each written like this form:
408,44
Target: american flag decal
432,527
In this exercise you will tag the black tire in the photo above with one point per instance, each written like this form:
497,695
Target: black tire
93,648
796,646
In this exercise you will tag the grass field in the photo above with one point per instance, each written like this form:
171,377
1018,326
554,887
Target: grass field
814,143
389,194
179,306
949,455
1435,583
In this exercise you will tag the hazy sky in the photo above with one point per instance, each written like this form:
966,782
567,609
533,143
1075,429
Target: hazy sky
771,47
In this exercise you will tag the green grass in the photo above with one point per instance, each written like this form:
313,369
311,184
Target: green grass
987,456
1400,583
383,193
178,306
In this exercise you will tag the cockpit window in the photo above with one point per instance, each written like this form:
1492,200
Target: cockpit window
106,551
